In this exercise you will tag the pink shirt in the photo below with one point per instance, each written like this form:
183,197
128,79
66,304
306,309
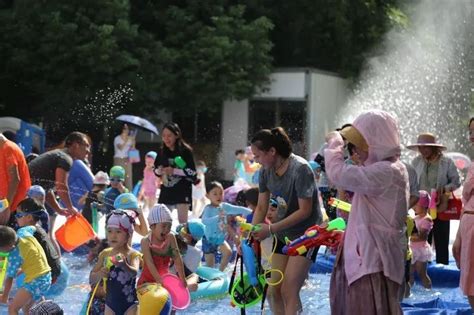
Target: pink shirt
467,190
373,237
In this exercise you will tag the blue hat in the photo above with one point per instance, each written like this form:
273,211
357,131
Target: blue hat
36,191
151,154
314,165
126,201
196,229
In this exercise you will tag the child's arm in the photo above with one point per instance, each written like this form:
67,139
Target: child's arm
134,264
235,210
147,258
141,228
178,260
208,217
6,290
99,271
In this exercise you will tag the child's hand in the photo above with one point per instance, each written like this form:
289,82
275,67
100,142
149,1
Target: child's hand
4,299
103,272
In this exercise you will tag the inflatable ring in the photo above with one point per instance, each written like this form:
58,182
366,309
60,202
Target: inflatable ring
216,286
153,299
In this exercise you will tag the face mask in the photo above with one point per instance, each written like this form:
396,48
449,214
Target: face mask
202,169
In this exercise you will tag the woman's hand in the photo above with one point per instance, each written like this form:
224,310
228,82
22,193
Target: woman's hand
261,231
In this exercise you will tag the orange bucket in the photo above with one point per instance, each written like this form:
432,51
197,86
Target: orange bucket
75,232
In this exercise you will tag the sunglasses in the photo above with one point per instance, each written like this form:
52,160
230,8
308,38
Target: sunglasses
19,215
116,180
273,203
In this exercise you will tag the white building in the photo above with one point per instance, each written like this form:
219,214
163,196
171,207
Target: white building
304,101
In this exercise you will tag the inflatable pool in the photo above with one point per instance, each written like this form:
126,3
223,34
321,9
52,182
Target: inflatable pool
445,276
216,286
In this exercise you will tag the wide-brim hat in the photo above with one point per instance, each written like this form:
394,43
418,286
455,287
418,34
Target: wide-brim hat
352,135
426,140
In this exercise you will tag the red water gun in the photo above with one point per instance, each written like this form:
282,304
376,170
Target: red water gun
316,235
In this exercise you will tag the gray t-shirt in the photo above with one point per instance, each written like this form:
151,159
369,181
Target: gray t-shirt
297,182
43,168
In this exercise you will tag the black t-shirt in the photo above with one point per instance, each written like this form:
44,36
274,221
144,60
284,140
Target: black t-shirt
43,168
54,260
176,188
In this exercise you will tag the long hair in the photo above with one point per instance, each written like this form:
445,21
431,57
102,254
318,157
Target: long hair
277,138
180,143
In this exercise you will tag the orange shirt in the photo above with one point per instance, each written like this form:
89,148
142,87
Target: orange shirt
11,155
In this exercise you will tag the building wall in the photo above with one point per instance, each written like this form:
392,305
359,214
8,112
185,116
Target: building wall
327,95
234,133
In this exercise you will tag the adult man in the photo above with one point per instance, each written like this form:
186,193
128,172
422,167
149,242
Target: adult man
14,176
436,171
50,170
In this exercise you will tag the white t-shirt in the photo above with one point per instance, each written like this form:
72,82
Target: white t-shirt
121,154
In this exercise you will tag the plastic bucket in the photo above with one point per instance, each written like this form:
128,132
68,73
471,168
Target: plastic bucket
75,232
180,297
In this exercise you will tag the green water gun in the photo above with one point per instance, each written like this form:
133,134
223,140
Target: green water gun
179,162
3,268
338,203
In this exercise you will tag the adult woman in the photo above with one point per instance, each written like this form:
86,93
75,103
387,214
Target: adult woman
289,179
437,171
463,249
176,177
122,144
369,267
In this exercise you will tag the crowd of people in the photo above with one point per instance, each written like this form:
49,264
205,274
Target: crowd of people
282,193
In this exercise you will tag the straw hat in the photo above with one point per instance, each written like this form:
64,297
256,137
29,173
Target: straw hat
426,140
351,134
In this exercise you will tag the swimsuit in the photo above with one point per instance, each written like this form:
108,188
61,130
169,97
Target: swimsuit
160,260
121,294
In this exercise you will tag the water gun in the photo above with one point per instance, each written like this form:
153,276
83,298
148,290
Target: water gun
339,204
179,162
3,268
3,205
315,236
432,206
245,226
250,262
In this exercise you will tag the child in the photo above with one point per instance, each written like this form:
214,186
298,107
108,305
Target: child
239,166
129,203
214,218
159,247
199,190
117,178
94,197
421,250
38,194
151,183
188,235
120,294
26,253
29,213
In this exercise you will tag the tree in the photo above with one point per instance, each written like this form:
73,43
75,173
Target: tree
215,53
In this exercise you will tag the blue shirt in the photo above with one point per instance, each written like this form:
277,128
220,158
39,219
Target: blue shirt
215,231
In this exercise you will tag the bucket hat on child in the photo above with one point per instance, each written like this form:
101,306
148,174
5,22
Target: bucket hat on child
101,178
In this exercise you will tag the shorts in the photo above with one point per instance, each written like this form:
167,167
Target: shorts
38,286
208,247
310,254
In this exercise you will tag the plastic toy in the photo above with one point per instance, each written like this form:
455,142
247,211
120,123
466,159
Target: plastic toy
179,162
315,236
432,207
245,226
3,268
338,203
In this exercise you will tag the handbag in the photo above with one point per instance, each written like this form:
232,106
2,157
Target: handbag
453,210
133,156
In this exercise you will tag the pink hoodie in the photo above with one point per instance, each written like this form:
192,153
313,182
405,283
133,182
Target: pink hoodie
374,236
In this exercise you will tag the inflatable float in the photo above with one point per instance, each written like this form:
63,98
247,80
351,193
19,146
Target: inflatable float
216,286
153,299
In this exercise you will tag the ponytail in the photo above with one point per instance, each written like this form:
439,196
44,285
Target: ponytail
277,138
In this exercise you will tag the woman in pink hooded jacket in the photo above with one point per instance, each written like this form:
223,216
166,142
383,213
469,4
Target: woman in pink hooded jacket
369,266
